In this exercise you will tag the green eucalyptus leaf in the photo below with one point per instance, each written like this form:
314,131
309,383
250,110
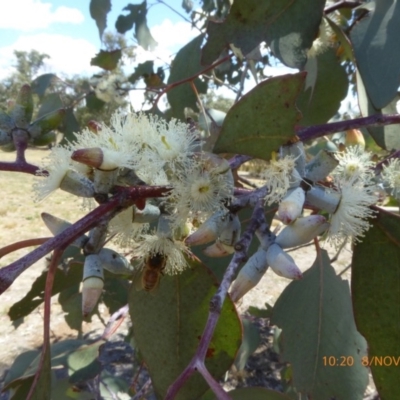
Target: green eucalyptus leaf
98,11
376,298
93,103
70,300
326,86
388,136
185,65
70,127
40,84
83,363
145,68
168,325
264,119
251,340
316,318
35,296
50,103
377,51
107,60
137,16
288,27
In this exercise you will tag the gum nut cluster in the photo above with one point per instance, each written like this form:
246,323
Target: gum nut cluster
140,149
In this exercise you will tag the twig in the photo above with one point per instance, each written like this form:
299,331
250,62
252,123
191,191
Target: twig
21,245
46,326
18,166
190,78
111,327
346,269
125,197
316,131
237,160
197,362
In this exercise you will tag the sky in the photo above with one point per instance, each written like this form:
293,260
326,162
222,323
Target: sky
65,31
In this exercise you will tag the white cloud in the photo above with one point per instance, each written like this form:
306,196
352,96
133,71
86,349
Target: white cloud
67,55
170,38
27,15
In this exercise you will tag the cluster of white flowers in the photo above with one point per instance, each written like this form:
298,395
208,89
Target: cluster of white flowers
150,150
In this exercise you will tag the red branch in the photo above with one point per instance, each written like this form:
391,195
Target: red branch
198,361
316,131
46,320
124,198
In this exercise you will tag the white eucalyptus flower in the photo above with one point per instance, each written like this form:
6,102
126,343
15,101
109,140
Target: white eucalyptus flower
350,220
57,164
172,250
199,190
354,164
279,176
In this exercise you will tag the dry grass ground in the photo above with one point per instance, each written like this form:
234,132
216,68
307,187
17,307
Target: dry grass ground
20,219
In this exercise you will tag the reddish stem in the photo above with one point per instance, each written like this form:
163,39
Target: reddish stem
21,245
124,198
46,323
18,166
197,362
316,131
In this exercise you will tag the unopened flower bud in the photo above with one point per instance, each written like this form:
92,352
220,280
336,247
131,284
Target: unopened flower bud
291,206
104,180
321,166
103,159
281,263
302,231
209,230
149,214
78,184
354,137
127,176
46,123
231,232
93,283
218,249
23,107
93,126
322,199
250,274
57,225
114,262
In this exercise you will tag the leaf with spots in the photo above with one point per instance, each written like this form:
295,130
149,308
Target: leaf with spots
264,119
168,325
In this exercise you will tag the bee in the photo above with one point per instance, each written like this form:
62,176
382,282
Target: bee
154,266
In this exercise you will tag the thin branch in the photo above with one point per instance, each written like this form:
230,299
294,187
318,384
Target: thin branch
21,245
214,385
115,322
197,362
125,197
46,325
191,78
237,160
316,131
18,166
